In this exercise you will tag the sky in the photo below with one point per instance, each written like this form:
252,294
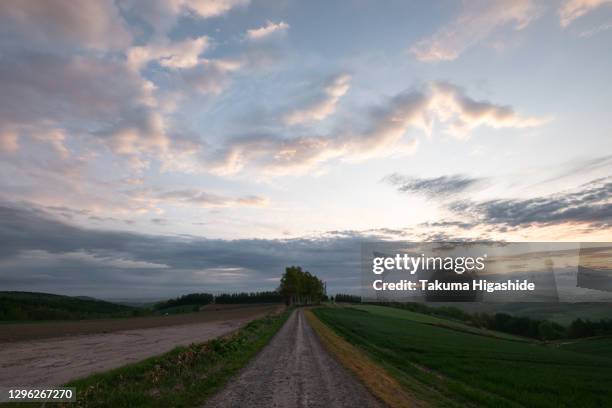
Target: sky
154,148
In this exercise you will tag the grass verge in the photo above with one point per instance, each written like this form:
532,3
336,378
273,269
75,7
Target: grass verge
183,377
376,379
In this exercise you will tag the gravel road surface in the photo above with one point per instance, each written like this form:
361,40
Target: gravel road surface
294,370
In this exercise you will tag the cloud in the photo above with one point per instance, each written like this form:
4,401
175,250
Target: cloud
210,8
385,134
597,30
177,54
74,89
477,21
209,200
141,133
324,104
94,24
56,139
462,113
212,76
570,10
591,204
437,187
162,15
266,31
74,94
42,253
8,141
159,221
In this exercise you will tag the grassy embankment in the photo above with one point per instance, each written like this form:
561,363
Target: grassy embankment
183,377
375,378
449,366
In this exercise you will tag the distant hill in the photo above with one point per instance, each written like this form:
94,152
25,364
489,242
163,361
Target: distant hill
20,306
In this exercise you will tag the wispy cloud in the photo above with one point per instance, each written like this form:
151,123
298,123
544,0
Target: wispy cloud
270,29
570,10
324,104
477,21
210,200
437,187
212,77
178,54
385,135
590,204
597,30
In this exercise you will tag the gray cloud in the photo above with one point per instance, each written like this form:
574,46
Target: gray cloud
40,252
94,24
56,88
437,187
206,199
590,204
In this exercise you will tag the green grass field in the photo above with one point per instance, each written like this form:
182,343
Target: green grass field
435,321
596,347
453,367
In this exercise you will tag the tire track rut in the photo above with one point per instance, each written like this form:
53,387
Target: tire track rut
294,370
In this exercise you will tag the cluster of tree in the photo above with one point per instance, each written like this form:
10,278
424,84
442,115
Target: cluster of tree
252,297
520,326
517,325
16,306
196,299
341,297
299,287
588,328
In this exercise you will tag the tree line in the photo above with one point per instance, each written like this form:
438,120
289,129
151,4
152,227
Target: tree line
250,297
518,325
202,299
299,287
344,298
190,299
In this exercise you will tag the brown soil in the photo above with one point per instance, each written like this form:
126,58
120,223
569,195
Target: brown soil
82,348
42,330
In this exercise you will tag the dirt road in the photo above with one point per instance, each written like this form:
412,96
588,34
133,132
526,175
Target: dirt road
294,370
55,361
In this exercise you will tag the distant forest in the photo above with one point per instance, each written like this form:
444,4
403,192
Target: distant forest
19,306
202,299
